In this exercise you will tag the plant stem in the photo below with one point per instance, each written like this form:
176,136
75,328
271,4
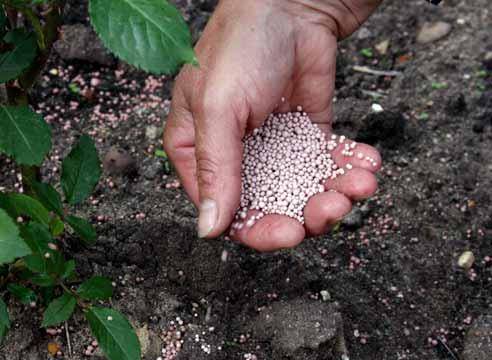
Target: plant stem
75,295
12,16
50,31
36,24
15,95
67,289
18,95
29,175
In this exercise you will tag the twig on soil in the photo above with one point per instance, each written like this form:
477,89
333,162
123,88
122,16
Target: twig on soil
367,70
373,94
448,349
208,314
68,340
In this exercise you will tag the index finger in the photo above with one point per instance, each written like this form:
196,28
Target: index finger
179,143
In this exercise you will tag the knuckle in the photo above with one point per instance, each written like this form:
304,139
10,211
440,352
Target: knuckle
205,99
206,172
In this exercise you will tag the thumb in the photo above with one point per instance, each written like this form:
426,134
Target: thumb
218,150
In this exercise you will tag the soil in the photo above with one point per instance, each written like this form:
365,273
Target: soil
390,275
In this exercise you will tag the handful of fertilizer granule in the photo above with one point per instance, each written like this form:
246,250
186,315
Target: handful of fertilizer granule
286,161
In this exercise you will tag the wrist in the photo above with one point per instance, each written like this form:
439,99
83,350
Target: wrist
341,17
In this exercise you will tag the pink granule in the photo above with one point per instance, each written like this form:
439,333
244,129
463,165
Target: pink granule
286,162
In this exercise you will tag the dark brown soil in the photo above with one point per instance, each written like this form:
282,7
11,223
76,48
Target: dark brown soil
392,273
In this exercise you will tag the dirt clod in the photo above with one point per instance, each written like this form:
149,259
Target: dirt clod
299,327
80,42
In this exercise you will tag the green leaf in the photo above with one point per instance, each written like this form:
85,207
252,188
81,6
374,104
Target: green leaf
69,270
81,170
48,196
367,52
59,310
36,263
56,264
481,73
17,204
439,85
37,237
82,227
47,294
4,318
14,62
11,244
96,288
42,280
25,135
161,153
23,294
74,88
114,334
51,267
57,226
49,262
149,34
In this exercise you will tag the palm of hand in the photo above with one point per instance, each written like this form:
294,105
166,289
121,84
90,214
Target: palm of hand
242,78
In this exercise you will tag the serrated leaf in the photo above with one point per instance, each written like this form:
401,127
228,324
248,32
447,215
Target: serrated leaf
96,288
83,228
25,135
23,294
48,262
81,170
48,196
149,34
11,244
14,62
17,204
51,267
4,318
114,333
59,310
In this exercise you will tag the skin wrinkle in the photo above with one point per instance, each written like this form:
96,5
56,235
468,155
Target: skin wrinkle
352,12
341,17
318,13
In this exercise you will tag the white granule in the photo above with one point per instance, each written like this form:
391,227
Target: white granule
286,161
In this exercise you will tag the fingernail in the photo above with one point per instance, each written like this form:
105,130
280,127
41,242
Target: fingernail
207,218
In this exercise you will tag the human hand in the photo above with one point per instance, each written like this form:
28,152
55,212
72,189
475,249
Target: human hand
252,54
